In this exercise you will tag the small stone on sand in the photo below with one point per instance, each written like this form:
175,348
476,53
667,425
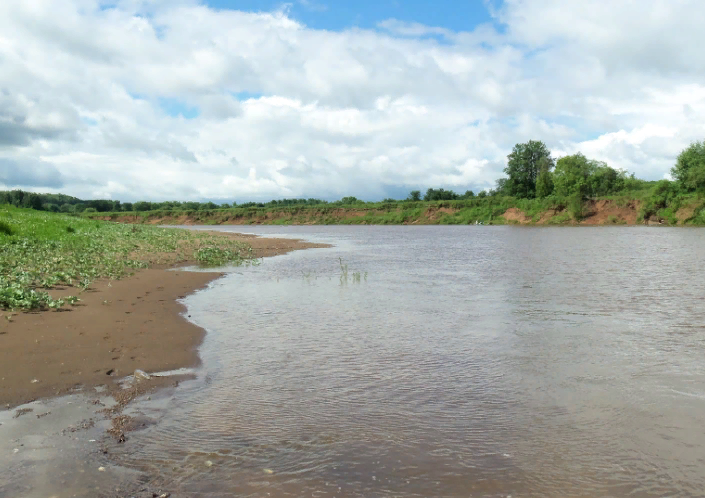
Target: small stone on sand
140,375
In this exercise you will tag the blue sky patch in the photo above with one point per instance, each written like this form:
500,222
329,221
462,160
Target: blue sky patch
176,107
242,96
456,15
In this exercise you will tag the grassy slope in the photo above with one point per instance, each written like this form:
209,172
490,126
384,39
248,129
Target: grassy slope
44,250
683,209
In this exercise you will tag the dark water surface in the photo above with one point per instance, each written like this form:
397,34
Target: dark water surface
471,361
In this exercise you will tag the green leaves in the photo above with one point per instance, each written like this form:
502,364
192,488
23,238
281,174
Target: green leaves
524,164
5,227
571,175
17,295
689,170
43,251
218,256
544,182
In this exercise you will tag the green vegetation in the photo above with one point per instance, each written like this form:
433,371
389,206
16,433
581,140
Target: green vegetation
214,255
544,181
5,228
524,164
440,194
645,202
689,170
356,275
41,251
567,189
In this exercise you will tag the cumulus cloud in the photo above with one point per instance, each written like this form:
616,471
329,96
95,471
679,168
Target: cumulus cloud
156,99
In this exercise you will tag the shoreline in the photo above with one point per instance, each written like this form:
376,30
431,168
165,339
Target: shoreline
625,211
118,327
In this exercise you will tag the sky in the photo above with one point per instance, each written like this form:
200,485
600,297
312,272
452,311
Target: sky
228,100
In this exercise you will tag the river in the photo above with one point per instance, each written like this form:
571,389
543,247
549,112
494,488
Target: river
445,362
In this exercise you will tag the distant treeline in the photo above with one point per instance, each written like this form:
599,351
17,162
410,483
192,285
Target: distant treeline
531,174
57,203
60,203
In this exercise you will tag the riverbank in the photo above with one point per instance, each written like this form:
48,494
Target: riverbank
624,210
117,327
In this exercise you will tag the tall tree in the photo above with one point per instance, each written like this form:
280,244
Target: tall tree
33,201
605,180
523,168
572,174
689,170
439,194
544,182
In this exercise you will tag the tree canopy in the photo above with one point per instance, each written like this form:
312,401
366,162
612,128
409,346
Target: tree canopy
523,165
572,174
689,170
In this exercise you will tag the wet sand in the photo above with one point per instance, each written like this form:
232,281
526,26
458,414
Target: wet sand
118,327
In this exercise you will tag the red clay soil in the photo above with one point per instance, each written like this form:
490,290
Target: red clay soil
605,212
517,215
129,324
602,212
342,214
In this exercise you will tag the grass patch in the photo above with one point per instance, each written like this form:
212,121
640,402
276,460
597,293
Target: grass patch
560,219
40,250
5,228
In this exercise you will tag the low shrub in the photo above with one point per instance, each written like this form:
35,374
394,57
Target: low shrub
5,228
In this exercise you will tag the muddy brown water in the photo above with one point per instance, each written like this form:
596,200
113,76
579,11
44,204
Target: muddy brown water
468,361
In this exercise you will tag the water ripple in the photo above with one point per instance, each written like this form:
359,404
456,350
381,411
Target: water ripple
474,361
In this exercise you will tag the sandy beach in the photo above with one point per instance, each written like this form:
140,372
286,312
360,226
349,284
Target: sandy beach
119,326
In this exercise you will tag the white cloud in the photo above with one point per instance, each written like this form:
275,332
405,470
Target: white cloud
90,97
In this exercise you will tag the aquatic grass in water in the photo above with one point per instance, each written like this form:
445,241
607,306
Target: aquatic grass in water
39,251
356,275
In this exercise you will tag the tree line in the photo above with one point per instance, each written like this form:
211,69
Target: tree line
531,172
58,203
61,203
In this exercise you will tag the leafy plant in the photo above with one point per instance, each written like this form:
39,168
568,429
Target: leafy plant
524,164
356,275
43,253
689,170
218,256
5,227
575,206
